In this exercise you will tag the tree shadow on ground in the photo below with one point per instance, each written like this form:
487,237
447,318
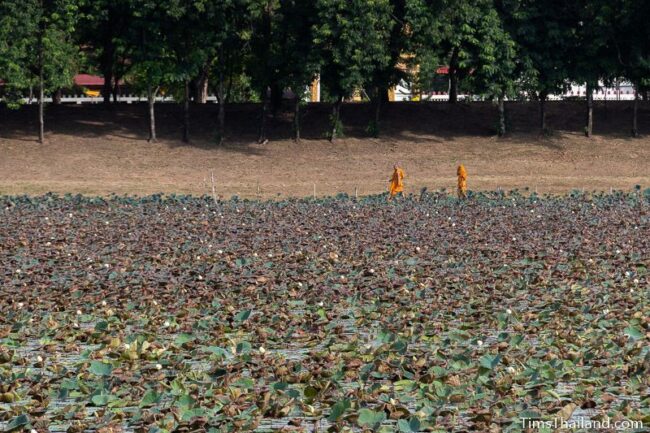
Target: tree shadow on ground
425,122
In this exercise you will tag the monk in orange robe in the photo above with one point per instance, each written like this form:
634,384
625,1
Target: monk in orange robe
396,181
462,181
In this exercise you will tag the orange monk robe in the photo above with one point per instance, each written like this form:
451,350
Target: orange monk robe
397,182
462,181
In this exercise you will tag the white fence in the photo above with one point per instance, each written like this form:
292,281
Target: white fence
622,92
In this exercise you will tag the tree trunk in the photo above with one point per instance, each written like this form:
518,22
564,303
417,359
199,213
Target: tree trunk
151,99
41,80
41,104
502,116
107,88
186,113
453,77
56,97
590,110
378,102
221,117
635,109
201,96
116,89
542,112
276,99
296,120
261,136
336,113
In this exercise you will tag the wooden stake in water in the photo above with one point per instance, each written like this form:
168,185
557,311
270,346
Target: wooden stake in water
314,190
214,192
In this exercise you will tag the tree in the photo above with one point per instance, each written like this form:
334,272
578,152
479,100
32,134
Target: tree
543,32
352,40
264,61
591,58
391,73
188,44
281,54
42,52
631,39
229,30
105,29
492,60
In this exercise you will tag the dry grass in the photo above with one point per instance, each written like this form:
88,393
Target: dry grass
102,150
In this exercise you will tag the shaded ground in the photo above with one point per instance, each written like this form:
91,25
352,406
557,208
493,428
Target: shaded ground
102,150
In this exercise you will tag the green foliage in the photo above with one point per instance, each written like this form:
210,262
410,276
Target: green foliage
351,37
36,38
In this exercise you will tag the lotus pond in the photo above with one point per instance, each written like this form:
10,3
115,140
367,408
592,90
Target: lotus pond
178,314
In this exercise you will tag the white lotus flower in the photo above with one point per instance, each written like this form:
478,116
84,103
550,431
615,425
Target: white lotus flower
262,350
417,249
70,215
636,281
605,311
18,271
158,367
106,265
372,271
107,223
39,358
511,370
75,325
46,218
127,346
47,244
79,313
299,284
479,343
254,254
155,302
20,305
320,304
200,277
618,251
166,324
453,224
509,311
103,303
270,255
514,239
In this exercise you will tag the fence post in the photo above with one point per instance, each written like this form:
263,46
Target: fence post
214,195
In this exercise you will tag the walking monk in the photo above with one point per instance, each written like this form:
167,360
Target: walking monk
396,182
462,181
